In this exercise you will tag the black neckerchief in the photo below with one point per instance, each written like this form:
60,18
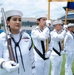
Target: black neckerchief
17,45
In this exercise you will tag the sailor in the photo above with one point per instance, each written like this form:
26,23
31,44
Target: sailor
57,36
21,45
69,49
39,36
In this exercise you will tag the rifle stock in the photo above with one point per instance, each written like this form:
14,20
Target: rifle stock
8,38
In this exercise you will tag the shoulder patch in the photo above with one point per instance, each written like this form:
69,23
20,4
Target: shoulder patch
25,37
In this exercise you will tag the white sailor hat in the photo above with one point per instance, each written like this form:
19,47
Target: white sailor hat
13,13
41,16
70,24
57,22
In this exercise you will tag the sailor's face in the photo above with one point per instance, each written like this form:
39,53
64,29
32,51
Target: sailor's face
42,21
58,27
71,28
15,23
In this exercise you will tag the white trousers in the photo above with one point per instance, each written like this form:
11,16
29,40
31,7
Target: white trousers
68,64
42,67
56,62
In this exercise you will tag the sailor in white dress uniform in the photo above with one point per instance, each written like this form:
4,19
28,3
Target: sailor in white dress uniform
57,36
39,36
69,49
22,48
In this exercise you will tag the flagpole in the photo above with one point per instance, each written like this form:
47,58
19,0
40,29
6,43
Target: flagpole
49,9
48,19
66,18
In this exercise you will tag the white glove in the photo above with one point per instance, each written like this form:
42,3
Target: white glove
47,55
65,27
63,52
10,66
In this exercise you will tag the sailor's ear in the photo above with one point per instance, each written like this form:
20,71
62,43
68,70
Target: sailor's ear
7,23
37,22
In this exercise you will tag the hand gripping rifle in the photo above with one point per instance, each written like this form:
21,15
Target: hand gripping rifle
8,38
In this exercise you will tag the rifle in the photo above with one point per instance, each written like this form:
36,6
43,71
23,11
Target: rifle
8,38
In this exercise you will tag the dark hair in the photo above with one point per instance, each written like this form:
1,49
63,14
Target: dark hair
38,20
8,19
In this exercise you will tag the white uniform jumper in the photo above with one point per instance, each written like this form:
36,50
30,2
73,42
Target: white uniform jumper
22,48
55,46
69,48
39,39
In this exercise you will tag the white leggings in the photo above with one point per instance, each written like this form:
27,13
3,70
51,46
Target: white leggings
42,67
68,65
56,62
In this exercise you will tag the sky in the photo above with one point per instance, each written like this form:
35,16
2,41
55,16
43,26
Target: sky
32,8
